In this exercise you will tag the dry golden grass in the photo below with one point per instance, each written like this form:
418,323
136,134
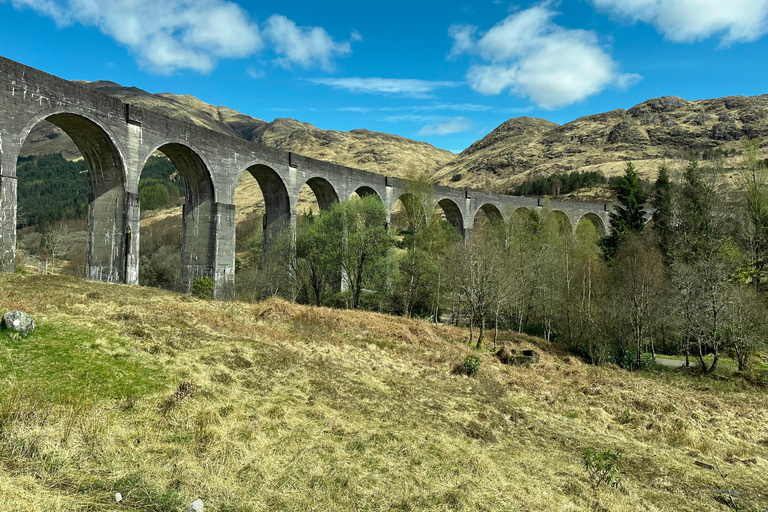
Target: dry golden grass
275,406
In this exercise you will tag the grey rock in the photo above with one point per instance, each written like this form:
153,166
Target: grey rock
118,497
196,506
19,321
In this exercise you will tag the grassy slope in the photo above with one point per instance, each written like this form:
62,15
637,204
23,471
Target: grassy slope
300,408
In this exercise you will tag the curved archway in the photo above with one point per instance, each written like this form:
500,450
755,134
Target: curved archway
365,191
596,221
452,214
324,192
491,212
563,222
277,204
198,215
105,256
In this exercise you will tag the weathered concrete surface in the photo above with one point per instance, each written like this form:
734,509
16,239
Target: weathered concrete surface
116,140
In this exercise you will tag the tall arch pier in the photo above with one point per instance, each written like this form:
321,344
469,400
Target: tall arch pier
116,139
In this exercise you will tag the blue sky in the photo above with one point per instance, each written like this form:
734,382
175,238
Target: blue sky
445,72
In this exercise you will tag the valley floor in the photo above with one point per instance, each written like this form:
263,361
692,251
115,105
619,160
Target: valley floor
273,406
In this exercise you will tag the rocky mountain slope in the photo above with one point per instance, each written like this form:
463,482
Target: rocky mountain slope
656,131
363,149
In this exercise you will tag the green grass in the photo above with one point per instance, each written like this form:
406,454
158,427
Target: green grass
68,362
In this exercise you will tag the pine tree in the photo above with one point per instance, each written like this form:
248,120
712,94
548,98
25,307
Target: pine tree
662,214
628,216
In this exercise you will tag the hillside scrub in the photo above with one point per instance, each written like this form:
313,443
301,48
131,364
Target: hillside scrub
275,406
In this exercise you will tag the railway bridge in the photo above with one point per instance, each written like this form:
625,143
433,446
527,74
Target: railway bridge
116,139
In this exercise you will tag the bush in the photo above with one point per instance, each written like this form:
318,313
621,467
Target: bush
456,177
471,365
602,467
203,287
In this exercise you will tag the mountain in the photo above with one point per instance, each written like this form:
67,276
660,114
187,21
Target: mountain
363,149
656,131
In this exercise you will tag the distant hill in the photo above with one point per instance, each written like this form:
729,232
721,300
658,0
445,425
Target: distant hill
653,132
363,149
659,130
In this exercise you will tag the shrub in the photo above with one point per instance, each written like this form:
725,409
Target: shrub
456,177
602,467
203,287
471,365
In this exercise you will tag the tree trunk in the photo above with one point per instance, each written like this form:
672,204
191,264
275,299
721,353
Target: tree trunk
480,337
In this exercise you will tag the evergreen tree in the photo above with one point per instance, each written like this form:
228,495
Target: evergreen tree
628,217
662,214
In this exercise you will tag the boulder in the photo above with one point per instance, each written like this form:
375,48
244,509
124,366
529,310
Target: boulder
19,321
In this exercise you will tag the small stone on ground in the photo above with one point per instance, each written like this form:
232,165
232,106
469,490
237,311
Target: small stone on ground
195,506
19,321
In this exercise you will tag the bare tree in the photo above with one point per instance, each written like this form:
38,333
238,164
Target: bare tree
53,240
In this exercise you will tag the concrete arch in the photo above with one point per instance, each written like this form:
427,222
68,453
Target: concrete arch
366,191
277,202
563,222
600,226
198,241
324,192
452,213
92,137
193,167
492,212
105,254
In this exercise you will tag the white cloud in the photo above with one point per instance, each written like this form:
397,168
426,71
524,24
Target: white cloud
447,127
411,88
166,36
193,34
531,56
694,20
305,46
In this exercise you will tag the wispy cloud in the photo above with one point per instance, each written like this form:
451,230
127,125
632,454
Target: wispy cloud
305,46
193,34
411,88
694,20
447,127
255,73
458,107
531,56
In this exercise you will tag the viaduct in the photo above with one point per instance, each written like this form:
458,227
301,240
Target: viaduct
117,138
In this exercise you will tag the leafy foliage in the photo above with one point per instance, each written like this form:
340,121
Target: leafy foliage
203,287
602,467
156,187
471,365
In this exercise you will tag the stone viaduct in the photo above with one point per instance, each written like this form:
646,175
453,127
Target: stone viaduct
116,139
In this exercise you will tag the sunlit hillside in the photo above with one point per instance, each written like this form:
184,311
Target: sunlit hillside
273,406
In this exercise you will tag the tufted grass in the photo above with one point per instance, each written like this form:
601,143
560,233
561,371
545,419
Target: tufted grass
300,408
